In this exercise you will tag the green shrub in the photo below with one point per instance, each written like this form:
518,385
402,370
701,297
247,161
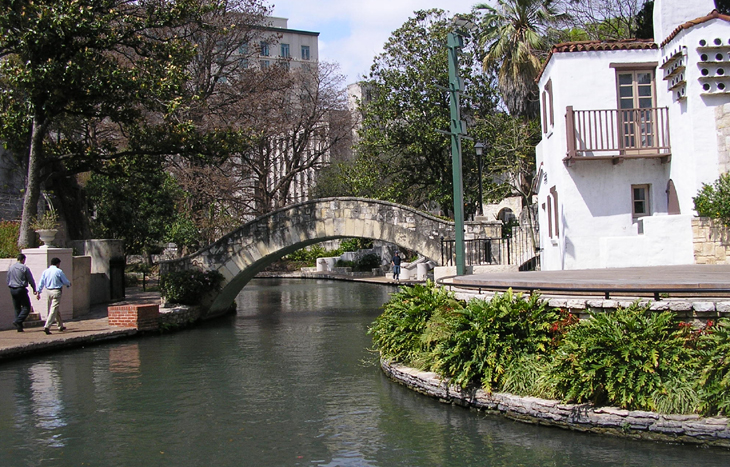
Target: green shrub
714,349
623,358
189,287
344,264
528,374
714,200
307,255
355,244
397,333
480,339
9,231
367,262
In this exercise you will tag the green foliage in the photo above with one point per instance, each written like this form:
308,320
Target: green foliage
713,201
189,287
527,374
307,255
714,380
183,233
482,338
134,201
621,358
367,262
9,239
355,244
401,157
397,333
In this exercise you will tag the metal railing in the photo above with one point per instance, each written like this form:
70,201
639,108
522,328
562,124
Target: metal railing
516,247
616,133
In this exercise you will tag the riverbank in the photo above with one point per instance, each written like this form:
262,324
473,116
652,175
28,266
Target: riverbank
89,329
635,424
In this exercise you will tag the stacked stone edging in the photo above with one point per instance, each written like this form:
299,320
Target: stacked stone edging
684,308
690,429
179,317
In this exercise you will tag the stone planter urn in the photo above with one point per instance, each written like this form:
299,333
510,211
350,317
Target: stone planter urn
47,236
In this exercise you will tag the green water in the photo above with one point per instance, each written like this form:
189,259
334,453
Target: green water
287,381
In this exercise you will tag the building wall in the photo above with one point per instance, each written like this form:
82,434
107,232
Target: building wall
594,213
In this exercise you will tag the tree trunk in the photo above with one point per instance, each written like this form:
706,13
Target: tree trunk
26,238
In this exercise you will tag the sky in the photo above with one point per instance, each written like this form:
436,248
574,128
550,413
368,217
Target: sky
353,32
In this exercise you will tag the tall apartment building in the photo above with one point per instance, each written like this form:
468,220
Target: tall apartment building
291,47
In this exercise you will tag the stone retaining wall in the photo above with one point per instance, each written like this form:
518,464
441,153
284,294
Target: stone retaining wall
693,429
699,310
179,317
711,241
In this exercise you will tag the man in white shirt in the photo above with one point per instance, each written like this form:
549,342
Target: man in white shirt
53,279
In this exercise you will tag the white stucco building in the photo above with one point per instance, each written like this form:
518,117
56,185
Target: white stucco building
631,131
290,47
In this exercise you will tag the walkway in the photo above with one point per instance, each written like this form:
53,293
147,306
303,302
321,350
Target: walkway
92,327
680,280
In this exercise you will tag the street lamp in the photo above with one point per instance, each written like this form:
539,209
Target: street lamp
479,148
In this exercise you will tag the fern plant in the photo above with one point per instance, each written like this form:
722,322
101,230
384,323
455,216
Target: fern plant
481,339
714,379
397,333
621,358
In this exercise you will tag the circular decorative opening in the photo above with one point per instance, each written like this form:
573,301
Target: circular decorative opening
703,42
719,57
721,86
705,72
703,57
706,86
720,71
718,41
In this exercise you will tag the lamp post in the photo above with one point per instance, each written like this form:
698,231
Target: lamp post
455,41
479,148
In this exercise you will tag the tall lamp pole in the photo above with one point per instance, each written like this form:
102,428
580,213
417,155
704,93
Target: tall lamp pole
479,148
454,43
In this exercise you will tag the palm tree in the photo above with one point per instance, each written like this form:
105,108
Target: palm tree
514,39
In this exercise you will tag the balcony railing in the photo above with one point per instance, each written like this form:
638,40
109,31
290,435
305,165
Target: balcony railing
617,133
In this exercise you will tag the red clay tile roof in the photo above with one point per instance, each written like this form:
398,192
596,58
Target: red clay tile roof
713,15
592,46
588,46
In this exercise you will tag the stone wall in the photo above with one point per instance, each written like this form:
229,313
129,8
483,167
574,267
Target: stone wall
711,241
691,429
686,309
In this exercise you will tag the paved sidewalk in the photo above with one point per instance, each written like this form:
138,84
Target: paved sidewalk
90,328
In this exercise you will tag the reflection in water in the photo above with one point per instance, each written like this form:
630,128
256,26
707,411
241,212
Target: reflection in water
288,381
124,359
46,400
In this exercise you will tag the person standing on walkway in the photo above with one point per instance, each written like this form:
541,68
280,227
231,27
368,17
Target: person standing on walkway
19,277
396,266
53,279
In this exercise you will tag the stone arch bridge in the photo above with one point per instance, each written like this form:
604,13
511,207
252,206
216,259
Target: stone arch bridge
243,253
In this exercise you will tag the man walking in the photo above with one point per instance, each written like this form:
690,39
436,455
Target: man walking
396,267
53,279
19,276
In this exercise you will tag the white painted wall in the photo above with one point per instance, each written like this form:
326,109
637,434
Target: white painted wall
596,228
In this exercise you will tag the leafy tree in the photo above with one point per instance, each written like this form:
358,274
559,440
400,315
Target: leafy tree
74,71
401,156
514,39
713,201
134,200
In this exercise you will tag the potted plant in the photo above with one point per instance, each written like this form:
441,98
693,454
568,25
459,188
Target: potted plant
46,226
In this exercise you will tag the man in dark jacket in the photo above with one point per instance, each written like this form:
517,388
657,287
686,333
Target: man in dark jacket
19,276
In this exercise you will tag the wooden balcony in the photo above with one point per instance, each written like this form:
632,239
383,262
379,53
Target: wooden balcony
617,134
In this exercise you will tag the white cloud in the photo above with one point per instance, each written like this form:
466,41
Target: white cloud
353,33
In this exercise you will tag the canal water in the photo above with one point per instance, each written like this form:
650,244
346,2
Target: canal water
288,381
